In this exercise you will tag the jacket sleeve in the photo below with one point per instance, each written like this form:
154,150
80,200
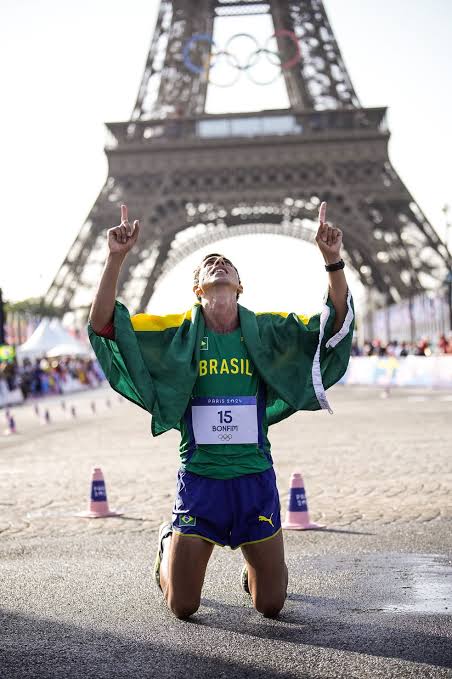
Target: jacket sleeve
108,331
120,359
299,357
333,350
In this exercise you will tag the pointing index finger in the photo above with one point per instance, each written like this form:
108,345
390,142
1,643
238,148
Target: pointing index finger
322,212
123,213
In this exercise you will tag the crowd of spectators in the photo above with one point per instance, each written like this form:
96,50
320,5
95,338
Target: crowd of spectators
49,376
424,347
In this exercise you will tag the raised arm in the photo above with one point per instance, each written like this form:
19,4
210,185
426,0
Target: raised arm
329,241
121,240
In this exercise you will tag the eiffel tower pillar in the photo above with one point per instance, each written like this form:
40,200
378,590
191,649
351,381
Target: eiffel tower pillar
265,172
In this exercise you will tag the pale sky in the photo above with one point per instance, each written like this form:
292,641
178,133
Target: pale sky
67,67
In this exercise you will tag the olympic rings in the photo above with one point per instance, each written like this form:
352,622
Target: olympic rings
290,63
256,51
191,42
225,437
214,57
236,73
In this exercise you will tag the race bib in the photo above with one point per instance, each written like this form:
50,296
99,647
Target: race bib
224,419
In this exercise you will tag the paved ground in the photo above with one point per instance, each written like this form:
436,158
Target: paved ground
369,597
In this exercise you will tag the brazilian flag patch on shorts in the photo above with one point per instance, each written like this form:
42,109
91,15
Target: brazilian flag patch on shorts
187,520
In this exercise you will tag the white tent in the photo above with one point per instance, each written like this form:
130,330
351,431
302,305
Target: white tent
48,335
74,348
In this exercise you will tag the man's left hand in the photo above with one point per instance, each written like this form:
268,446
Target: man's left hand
328,238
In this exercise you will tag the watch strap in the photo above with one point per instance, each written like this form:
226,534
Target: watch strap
336,266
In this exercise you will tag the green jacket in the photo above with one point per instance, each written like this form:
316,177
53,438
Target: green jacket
153,360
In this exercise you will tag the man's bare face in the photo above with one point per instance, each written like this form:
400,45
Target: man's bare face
218,270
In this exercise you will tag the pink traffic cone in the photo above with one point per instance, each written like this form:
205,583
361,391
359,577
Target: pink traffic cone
98,504
297,515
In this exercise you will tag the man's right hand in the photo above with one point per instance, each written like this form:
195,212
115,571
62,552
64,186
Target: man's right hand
122,238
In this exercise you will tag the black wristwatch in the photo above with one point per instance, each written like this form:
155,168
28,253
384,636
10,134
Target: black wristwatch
335,267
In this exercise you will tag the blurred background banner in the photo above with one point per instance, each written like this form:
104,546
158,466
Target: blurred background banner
7,353
410,371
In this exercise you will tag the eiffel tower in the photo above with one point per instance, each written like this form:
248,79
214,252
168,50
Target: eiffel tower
206,177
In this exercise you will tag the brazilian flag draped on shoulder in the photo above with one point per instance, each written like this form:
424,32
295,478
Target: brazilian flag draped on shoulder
153,360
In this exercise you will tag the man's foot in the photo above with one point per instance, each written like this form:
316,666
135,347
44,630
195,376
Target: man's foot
165,530
244,580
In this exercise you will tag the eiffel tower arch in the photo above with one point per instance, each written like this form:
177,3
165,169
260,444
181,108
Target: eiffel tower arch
183,171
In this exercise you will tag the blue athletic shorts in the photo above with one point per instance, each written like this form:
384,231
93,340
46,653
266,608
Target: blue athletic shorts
230,512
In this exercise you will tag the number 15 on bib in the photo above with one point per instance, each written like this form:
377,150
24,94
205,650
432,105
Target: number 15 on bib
225,419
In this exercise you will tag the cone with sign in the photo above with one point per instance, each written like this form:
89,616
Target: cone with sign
297,515
98,504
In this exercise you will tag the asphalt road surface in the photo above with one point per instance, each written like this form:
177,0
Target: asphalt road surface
369,596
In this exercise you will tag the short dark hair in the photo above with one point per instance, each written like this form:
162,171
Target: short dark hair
198,269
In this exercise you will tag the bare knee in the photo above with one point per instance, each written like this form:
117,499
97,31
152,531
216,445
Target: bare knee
182,609
269,607
183,612
270,603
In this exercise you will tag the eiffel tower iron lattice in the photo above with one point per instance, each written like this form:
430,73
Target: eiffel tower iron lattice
178,167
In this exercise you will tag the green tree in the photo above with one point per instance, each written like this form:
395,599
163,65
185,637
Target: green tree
34,306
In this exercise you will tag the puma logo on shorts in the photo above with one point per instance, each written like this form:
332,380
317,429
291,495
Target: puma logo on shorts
264,518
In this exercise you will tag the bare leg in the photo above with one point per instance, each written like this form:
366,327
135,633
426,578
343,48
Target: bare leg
182,572
267,574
